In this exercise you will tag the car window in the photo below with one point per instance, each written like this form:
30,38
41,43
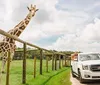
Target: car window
84,57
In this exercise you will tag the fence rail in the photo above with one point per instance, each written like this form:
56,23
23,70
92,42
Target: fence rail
51,53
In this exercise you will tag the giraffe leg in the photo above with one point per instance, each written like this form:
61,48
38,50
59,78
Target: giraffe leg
12,54
3,64
4,59
0,78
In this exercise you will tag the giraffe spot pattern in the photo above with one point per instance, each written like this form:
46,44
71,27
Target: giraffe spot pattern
15,31
22,27
26,22
18,33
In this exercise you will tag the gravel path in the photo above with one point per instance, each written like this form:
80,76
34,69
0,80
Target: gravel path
75,81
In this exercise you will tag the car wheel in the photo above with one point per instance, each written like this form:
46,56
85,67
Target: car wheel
80,77
73,75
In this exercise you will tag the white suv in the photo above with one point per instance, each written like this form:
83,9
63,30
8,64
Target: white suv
86,66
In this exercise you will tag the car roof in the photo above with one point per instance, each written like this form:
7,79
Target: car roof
89,53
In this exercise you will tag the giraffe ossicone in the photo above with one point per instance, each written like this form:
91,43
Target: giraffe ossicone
8,44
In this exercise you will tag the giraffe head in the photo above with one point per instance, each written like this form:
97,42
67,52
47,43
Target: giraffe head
32,9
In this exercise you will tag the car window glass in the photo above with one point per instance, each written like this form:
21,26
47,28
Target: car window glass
85,57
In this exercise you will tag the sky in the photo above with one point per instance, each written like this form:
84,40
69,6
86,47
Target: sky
62,25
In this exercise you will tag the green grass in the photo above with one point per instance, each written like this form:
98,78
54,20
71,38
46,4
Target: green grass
59,77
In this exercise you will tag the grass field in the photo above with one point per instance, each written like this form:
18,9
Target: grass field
59,77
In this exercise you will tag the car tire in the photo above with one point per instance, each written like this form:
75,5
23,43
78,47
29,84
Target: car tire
80,77
73,75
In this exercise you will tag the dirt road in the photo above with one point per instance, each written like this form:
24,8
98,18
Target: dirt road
75,81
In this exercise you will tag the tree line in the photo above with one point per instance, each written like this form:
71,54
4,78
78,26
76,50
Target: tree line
34,52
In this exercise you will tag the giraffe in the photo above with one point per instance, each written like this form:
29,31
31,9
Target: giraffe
8,44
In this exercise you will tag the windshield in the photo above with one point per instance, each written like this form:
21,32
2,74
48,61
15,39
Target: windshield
84,57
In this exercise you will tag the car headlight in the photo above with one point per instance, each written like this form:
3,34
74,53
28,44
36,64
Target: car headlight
85,67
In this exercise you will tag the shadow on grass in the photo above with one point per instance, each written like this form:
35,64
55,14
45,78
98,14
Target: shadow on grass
53,76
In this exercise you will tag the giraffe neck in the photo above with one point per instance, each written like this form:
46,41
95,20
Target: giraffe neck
18,29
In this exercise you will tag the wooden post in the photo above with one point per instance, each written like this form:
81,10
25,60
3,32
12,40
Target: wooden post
47,64
59,61
62,61
8,69
70,61
41,56
53,62
34,66
24,65
65,60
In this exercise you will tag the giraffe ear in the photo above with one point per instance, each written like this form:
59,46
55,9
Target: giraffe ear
28,8
31,5
36,10
35,6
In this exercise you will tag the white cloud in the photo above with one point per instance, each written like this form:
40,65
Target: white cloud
89,39
71,23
